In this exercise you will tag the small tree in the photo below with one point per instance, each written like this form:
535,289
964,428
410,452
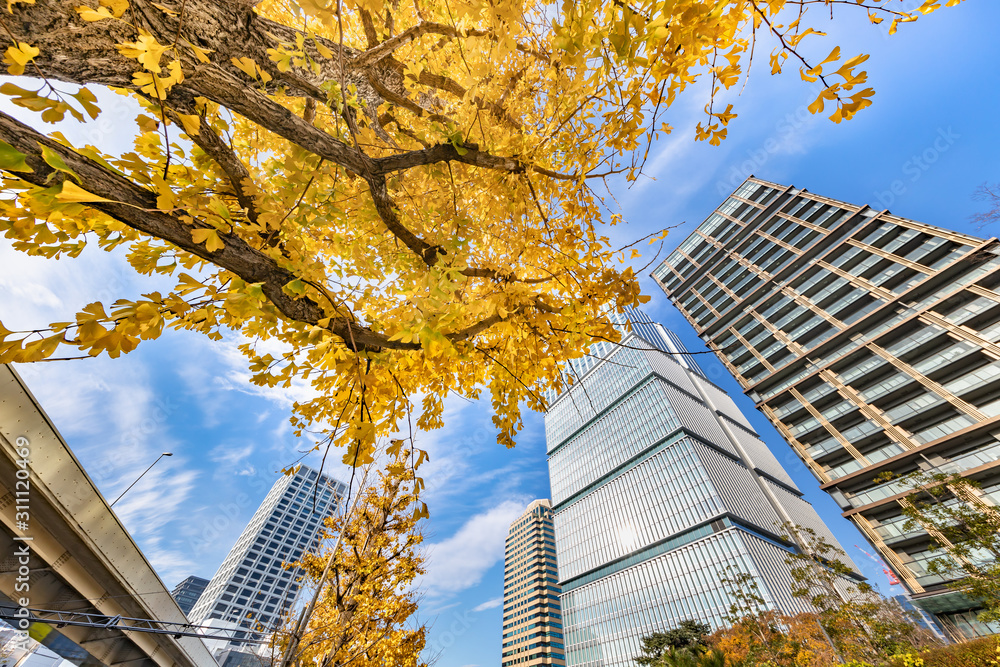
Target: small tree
849,621
991,195
769,637
687,658
362,611
690,635
856,621
755,631
965,529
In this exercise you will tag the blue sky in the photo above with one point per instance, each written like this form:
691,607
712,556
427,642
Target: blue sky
929,139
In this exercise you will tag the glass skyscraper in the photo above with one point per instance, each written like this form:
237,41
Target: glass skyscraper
251,589
660,489
188,591
532,621
870,341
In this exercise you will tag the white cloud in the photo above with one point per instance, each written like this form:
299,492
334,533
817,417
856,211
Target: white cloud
33,292
489,604
460,561
233,459
154,500
171,565
231,455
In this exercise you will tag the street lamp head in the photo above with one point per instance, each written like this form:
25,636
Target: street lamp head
140,476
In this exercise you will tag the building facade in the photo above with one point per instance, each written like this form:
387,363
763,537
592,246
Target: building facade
188,591
661,489
251,589
532,621
871,343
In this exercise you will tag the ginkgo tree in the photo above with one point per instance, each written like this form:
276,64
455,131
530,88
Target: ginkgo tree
386,199
362,609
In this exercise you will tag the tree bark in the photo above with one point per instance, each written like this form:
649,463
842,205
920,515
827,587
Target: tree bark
81,52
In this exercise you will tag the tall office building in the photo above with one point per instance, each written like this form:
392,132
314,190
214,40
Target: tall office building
870,342
188,591
532,622
660,489
251,589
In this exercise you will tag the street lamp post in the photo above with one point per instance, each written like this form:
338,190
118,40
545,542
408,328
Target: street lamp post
141,476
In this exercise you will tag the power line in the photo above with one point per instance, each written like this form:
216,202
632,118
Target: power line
83,619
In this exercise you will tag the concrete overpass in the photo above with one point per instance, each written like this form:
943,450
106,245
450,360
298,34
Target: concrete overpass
78,556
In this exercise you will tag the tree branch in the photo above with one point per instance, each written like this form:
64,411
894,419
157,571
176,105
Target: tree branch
136,207
446,153
224,88
387,211
237,172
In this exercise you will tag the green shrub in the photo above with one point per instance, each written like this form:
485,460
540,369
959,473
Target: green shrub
982,652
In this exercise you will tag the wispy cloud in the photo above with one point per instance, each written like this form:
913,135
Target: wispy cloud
155,499
109,410
489,604
460,561
172,565
230,456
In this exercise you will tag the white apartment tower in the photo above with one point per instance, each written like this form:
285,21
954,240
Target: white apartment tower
252,589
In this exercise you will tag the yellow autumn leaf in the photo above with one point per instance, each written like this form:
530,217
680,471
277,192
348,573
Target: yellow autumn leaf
90,15
246,65
191,123
39,349
199,53
146,50
72,193
18,56
117,7
834,55
322,50
208,236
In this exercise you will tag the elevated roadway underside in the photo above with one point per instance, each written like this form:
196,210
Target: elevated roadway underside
79,556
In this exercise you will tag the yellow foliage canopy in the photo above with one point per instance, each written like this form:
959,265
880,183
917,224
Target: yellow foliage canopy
383,198
363,600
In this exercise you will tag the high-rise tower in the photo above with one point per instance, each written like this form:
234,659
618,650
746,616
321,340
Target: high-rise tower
660,489
188,591
532,622
870,341
251,589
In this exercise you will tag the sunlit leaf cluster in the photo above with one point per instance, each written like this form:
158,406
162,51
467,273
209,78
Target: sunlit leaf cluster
392,201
